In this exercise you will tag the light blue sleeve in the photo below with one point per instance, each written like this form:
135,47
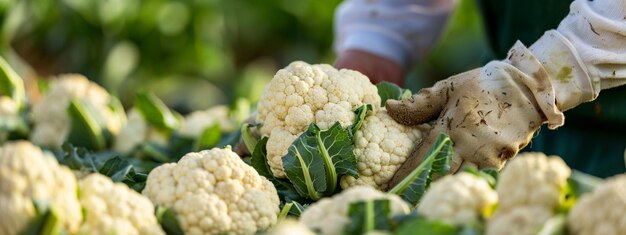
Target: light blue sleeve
401,30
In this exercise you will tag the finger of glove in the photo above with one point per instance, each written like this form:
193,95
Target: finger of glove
423,106
416,157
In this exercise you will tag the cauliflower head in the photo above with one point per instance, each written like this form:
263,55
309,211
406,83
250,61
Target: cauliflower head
290,227
330,215
52,124
113,208
530,189
460,199
214,192
381,146
532,179
135,132
196,122
601,211
519,221
26,174
301,94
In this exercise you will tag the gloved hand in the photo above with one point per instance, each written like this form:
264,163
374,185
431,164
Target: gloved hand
375,67
492,112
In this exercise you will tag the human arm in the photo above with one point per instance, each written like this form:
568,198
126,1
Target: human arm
381,38
492,112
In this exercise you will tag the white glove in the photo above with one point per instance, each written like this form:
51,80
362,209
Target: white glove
492,112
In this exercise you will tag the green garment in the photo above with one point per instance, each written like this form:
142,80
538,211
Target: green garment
593,139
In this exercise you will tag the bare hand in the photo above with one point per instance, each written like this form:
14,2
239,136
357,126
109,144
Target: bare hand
375,67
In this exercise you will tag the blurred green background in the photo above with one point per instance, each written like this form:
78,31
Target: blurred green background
198,53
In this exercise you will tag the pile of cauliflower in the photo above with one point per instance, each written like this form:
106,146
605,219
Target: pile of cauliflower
29,174
214,191
301,94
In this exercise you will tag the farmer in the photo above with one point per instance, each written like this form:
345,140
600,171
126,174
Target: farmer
562,62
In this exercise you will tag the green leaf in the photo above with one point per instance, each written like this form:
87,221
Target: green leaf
168,220
297,209
248,138
361,113
286,190
387,90
367,216
437,161
77,158
488,174
11,84
317,158
156,112
45,222
155,152
209,138
81,159
578,183
85,131
118,109
422,225
285,211
259,159
556,225
582,183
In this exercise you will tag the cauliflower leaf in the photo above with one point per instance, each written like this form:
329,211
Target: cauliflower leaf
156,112
316,159
168,221
369,215
387,90
85,131
286,191
46,221
11,84
437,161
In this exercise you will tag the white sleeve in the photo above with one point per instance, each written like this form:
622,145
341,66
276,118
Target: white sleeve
597,29
401,30
587,52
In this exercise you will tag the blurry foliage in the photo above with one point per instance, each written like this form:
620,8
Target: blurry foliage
192,52
463,46
197,53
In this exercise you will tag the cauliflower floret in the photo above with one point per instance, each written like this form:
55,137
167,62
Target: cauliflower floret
214,192
135,132
113,208
530,188
461,199
601,211
381,146
519,221
196,122
290,227
26,174
301,94
330,215
52,123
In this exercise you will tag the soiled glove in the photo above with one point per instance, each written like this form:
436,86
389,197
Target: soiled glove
492,112
489,113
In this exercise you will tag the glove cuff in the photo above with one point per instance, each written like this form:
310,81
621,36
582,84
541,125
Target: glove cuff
537,80
566,71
